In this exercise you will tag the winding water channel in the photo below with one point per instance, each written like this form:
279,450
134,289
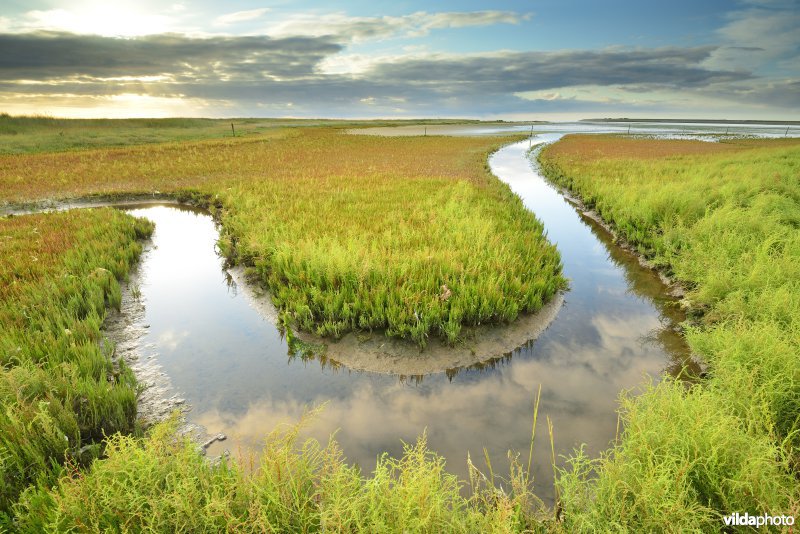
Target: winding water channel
231,365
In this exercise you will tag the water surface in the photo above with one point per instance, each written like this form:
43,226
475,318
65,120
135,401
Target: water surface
674,130
232,365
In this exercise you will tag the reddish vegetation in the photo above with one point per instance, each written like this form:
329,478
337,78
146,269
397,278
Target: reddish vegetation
288,155
595,147
29,247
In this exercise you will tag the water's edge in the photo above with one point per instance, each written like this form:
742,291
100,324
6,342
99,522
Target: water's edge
359,351
234,370
673,287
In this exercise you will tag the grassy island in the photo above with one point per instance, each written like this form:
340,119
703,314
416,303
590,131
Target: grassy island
412,236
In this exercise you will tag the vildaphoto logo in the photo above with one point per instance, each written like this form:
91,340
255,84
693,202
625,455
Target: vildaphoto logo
746,520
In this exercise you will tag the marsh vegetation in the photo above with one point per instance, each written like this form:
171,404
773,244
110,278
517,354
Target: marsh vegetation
434,243
722,218
61,392
412,236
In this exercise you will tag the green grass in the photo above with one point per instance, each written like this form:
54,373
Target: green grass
162,485
24,135
60,391
724,220
35,134
726,224
347,232
350,250
73,459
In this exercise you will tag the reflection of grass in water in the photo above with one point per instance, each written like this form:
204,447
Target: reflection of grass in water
136,292
408,235
724,219
298,347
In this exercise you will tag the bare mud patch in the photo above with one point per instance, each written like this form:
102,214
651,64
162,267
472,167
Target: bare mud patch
125,329
375,352
121,201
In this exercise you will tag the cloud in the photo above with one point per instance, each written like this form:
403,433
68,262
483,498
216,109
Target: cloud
51,55
530,71
233,62
763,39
240,16
347,29
310,76
101,19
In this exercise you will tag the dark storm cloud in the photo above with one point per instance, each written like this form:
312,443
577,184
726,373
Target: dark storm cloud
257,71
527,71
49,55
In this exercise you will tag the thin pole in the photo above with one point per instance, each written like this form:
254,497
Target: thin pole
787,131
232,130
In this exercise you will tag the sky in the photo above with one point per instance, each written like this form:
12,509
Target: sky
511,60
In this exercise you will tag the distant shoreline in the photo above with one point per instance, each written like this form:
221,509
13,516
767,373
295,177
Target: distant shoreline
699,121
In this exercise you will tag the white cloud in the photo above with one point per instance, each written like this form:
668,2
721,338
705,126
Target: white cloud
240,16
169,339
758,39
126,105
633,95
417,24
99,19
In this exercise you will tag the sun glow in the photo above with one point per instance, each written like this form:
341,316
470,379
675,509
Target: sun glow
113,20
120,106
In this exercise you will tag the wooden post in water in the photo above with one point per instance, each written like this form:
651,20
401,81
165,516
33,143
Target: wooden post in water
787,131
232,130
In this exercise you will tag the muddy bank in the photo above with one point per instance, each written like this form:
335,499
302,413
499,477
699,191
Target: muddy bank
98,201
125,328
377,353
128,330
672,287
